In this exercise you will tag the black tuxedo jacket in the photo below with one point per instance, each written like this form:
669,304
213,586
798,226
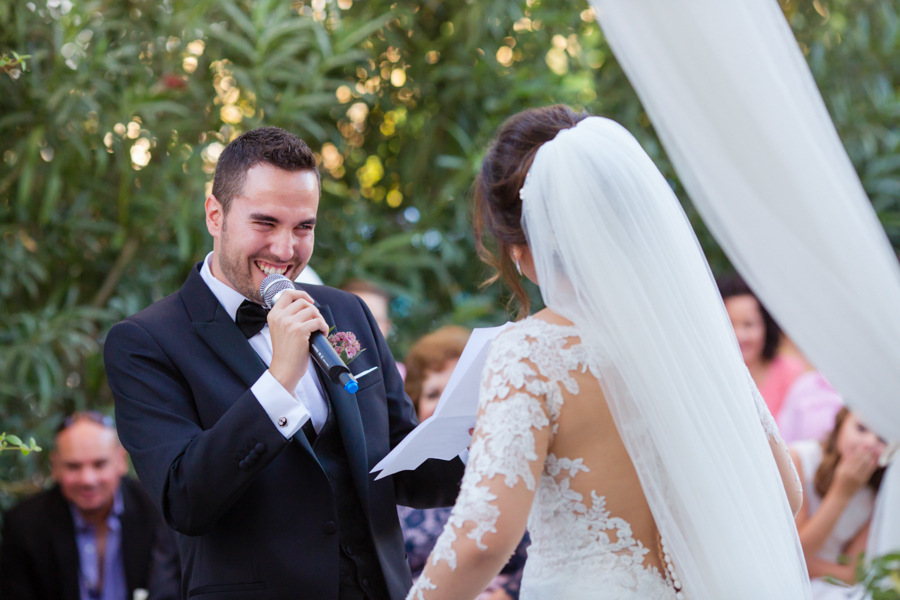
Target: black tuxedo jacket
39,556
256,511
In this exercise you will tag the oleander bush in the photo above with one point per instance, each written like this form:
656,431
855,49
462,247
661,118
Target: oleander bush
110,130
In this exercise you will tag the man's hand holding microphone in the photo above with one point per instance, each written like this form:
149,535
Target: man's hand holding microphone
301,332
292,321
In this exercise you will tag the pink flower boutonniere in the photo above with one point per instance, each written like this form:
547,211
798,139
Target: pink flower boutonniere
346,345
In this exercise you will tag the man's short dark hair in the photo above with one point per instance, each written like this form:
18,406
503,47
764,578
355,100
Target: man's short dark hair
267,145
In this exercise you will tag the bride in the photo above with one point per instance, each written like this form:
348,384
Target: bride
619,424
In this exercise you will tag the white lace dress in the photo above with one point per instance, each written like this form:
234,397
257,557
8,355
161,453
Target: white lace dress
579,549
572,554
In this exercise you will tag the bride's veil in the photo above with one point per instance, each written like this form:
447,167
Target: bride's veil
615,253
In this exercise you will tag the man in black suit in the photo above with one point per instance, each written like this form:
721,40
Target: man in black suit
94,535
250,451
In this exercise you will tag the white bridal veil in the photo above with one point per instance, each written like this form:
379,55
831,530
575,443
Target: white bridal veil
615,253
738,111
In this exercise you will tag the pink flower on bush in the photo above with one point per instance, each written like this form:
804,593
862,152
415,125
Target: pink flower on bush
346,345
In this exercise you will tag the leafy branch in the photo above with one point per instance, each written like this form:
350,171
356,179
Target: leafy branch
9,441
881,579
14,65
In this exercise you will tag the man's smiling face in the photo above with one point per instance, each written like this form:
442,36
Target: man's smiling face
269,228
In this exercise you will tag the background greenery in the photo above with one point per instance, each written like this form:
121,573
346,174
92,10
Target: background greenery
108,141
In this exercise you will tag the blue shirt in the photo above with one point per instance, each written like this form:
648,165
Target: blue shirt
114,586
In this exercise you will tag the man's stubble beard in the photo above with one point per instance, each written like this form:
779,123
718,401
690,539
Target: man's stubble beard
237,271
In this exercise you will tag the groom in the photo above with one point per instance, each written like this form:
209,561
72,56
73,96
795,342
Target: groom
251,453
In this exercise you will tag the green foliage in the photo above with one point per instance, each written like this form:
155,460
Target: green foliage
13,442
853,48
14,65
881,578
109,139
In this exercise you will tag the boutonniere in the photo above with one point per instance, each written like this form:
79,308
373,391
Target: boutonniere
346,345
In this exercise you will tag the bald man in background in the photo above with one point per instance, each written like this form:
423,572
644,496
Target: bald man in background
95,535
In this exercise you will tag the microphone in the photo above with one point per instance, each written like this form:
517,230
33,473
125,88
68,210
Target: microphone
319,347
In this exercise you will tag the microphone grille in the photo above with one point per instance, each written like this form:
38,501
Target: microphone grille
273,285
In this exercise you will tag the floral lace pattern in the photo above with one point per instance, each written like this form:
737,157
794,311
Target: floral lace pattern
579,549
765,416
769,425
422,584
528,369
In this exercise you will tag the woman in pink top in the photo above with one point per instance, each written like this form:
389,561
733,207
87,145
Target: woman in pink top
759,337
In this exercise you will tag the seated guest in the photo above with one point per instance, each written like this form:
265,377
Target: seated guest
430,362
759,337
809,409
95,535
840,478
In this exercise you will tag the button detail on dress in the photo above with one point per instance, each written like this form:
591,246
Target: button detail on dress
282,421
329,528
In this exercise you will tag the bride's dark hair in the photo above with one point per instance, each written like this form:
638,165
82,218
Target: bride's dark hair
498,207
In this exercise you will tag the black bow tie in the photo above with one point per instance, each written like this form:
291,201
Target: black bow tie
250,318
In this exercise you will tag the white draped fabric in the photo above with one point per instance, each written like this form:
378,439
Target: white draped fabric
737,109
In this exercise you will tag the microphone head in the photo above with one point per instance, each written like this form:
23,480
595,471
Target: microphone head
272,286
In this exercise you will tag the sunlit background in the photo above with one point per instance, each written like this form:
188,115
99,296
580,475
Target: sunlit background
110,131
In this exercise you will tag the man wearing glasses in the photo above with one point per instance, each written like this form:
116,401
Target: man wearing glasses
95,535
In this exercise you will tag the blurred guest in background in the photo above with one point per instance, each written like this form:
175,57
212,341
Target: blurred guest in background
840,477
809,409
759,337
430,363
95,535
378,301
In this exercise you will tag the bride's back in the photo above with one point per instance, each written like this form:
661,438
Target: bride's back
587,430
586,458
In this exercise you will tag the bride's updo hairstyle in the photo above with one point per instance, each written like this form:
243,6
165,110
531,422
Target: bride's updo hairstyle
498,207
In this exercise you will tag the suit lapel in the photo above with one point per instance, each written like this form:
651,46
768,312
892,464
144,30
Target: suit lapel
349,421
346,412
219,330
227,341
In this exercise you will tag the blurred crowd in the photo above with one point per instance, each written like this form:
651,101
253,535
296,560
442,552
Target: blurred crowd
835,453
95,535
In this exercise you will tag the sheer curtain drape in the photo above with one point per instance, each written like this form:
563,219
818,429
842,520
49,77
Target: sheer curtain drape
738,111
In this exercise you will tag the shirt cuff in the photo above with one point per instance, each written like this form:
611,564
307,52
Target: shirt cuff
288,414
464,456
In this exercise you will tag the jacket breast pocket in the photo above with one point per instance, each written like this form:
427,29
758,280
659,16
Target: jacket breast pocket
369,380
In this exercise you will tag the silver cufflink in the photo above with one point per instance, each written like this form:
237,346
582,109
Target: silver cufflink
282,421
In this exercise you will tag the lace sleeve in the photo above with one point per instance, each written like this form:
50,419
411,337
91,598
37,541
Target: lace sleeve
780,451
505,461
765,416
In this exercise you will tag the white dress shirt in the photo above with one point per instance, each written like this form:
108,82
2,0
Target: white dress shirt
288,411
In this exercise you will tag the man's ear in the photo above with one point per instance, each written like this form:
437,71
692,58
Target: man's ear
215,216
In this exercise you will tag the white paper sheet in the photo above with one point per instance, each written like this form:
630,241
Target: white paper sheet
446,434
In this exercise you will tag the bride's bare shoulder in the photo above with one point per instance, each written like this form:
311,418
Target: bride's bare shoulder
553,318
